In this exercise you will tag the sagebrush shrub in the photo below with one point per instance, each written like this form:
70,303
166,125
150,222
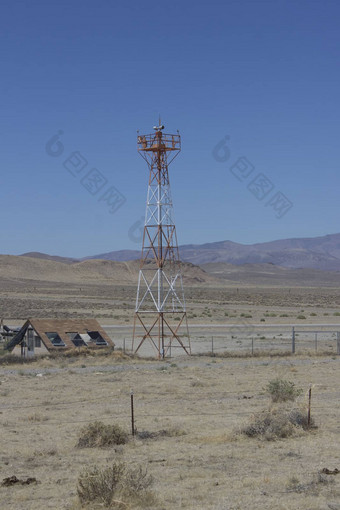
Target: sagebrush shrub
278,424
281,390
136,481
112,485
270,426
100,484
97,434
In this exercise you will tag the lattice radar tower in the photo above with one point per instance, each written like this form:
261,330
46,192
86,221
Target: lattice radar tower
160,314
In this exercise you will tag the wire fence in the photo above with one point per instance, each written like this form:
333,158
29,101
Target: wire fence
246,339
219,405
241,341
121,405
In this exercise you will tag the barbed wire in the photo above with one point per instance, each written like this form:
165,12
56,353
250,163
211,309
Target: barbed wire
139,416
209,399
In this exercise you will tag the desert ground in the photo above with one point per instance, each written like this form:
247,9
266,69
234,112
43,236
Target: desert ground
230,310
197,405
218,294
189,410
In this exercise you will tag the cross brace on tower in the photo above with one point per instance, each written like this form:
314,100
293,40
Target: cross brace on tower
160,313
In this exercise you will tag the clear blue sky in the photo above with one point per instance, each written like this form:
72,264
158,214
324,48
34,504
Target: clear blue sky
264,73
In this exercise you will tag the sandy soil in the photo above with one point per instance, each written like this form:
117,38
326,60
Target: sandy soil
106,290
115,303
202,462
204,400
213,312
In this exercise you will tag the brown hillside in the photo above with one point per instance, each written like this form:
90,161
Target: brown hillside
88,271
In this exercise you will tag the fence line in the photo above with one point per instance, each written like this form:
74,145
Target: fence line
248,338
108,399
227,413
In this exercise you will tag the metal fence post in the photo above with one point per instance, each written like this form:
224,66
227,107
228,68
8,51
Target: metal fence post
132,414
338,342
252,346
212,345
309,406
293,340
316,341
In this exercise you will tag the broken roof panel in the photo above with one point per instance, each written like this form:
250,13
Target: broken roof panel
46,329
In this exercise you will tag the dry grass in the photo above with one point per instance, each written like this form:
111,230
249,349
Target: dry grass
98,434
170,432
278,423
116,486
314,487
209,467
72,355
36,417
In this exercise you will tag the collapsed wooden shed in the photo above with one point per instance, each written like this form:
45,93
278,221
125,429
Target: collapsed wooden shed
40,336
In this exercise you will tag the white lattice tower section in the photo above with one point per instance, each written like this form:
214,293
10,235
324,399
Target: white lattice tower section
160,314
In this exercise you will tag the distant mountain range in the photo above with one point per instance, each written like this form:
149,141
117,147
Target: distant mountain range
313,253
39,269
27,272
45,256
